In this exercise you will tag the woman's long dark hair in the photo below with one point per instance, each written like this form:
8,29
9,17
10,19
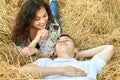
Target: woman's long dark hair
20,30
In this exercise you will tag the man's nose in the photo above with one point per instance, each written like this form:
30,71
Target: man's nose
62,41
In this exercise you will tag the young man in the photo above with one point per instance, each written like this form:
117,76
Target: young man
66,51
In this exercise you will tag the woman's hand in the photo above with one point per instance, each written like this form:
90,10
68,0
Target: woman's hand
41,34
28,51
72,71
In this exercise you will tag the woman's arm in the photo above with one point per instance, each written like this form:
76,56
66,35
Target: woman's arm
40,35
31,48
28,51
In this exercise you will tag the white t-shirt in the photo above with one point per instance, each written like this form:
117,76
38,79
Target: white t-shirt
91,67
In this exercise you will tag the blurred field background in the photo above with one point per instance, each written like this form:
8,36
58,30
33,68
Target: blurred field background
90,22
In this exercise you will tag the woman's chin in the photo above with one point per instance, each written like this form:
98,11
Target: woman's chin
42,28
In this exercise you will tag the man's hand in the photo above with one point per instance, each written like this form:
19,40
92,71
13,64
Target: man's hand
72,71
77,55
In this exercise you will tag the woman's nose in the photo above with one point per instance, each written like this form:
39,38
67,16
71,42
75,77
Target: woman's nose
42,20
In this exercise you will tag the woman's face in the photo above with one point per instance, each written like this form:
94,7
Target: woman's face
41,19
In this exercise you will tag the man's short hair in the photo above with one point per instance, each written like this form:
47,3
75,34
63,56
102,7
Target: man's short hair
66,35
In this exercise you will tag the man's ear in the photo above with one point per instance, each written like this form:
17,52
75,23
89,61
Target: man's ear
75,52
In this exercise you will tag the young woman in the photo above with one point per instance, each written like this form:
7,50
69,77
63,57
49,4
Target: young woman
36,29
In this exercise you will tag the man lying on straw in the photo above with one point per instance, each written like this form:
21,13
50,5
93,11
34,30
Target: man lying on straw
66,67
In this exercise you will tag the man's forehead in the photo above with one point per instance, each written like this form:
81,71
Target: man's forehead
64,37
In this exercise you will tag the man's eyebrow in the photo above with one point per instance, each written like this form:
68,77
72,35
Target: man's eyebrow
64,38
67,38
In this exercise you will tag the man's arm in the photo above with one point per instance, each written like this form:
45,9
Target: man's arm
42,71
105,52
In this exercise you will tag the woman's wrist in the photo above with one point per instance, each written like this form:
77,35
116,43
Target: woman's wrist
33,43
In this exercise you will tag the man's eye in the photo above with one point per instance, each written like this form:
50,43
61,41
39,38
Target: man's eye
58,41
66,40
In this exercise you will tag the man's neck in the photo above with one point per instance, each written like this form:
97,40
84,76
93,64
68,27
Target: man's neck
65,55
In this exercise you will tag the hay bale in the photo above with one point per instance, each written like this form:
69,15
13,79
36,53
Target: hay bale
110,72
9,72
2,4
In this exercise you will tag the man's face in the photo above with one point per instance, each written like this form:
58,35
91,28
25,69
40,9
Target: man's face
65,44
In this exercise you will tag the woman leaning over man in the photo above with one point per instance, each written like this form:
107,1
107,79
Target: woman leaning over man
37,28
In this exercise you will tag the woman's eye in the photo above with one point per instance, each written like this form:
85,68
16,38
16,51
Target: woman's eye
37,19
45,15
